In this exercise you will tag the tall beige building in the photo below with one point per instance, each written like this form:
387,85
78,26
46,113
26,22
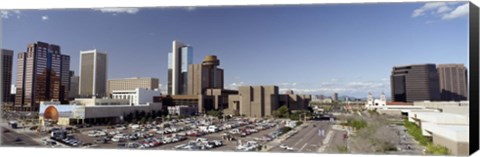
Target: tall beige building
453,82
132,83
261,101
93,73
205,76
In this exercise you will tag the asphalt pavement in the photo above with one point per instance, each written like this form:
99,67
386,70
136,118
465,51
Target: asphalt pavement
306,140
12,138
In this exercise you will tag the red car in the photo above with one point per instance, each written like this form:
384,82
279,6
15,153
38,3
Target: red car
5,130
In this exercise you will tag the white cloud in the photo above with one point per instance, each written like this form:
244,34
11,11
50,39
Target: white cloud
458,12
163,90
234,85
191,8
45,17
343,87
118,10
445,10
5,14
350,88
428,7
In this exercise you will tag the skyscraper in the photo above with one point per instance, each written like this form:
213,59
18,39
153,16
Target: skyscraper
178,61
93,73
335,96
73,87
205,75
453,82
6,58
415,83
42,75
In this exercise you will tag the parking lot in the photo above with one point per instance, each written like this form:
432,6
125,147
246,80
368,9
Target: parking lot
199,133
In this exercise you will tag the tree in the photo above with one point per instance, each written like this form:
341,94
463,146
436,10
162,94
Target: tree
136,115
167,101
282,112
143,120
215,113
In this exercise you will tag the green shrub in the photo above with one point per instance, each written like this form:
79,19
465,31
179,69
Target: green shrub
284,130
437,149
299,123
342,149
356,123
416,132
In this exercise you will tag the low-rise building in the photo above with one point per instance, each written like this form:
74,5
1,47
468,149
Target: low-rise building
182,110
138,96
446,129
261,101
90,110
455,107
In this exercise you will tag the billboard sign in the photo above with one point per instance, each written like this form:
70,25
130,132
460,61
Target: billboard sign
65,111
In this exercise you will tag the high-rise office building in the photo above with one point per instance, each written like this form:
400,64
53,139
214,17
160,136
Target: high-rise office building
42,75
335,97
132,83
73,87
6,58
93,73
178,61
204,76
453,82
415,83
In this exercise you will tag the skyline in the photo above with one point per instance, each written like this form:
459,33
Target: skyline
273,34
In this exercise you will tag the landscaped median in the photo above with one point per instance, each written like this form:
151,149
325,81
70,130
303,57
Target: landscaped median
416,132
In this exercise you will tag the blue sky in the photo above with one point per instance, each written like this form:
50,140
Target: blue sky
318,49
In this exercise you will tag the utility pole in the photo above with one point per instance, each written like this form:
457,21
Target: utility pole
305,117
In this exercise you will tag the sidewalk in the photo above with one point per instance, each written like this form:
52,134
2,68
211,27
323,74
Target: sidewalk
343,128
326,141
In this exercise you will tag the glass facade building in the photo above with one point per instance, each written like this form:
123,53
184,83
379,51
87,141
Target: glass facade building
40,76
178,61
418,82
6,58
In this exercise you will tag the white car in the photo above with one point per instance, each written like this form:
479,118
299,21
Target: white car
289,148
201,139
283,146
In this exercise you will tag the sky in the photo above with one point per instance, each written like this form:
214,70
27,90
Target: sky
311,49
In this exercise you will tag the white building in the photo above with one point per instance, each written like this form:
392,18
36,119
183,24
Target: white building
139,96
455,107
90,110
446,129
376,103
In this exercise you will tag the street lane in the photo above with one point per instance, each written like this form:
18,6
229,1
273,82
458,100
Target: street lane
8,139
307,139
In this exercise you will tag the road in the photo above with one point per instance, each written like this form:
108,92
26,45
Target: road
307,139
9,139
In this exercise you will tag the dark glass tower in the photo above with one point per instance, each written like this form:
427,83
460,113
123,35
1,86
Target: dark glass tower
6,57
415,83
42,75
